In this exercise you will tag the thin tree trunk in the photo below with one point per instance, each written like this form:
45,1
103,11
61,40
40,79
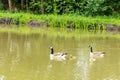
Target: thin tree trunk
55,7
27,5
22,4
42,8
10,5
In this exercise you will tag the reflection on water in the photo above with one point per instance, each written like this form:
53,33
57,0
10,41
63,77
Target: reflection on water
26,57
82,68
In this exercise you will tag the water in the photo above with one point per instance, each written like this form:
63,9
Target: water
26,57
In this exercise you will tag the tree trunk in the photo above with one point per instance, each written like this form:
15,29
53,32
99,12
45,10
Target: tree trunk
27,5
42,8
55,7
10,5
22,4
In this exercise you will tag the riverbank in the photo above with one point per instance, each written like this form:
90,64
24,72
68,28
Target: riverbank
64,21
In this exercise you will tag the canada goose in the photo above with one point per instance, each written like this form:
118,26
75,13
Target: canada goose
57,56
95,54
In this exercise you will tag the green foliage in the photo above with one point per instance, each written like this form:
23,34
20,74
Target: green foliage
81,7
35,7
75,21
1,6
65,6
91,7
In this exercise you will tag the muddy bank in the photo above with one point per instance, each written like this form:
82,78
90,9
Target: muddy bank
101,26
71,25
9,21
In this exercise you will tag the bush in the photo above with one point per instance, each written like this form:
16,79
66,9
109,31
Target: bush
1,6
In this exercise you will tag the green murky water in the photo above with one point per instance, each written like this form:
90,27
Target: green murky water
26,57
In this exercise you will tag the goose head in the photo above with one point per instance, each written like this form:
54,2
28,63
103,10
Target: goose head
52,50
91,50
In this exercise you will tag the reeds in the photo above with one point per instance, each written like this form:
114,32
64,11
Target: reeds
64,21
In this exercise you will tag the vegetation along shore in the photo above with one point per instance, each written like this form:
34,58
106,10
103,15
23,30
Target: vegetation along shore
71,14
64,21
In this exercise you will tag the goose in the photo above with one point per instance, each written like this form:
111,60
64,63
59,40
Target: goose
95,54
57,56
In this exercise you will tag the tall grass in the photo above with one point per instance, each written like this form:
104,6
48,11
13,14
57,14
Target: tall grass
77,20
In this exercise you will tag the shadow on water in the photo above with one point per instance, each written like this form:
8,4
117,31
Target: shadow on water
27,57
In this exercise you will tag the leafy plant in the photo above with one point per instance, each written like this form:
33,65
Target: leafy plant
1,6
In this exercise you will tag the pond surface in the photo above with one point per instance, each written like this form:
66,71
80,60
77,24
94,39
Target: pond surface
26,57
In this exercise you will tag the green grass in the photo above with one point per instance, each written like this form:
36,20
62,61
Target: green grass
80,22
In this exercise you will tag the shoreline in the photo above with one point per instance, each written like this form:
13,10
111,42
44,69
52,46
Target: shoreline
61,21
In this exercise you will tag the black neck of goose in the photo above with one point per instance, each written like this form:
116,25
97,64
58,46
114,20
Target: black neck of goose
52,51
91,50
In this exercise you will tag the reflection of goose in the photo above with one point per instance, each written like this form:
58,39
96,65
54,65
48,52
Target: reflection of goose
95,54
57,56
2,77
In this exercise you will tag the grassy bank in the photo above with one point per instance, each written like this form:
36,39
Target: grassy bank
75,21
